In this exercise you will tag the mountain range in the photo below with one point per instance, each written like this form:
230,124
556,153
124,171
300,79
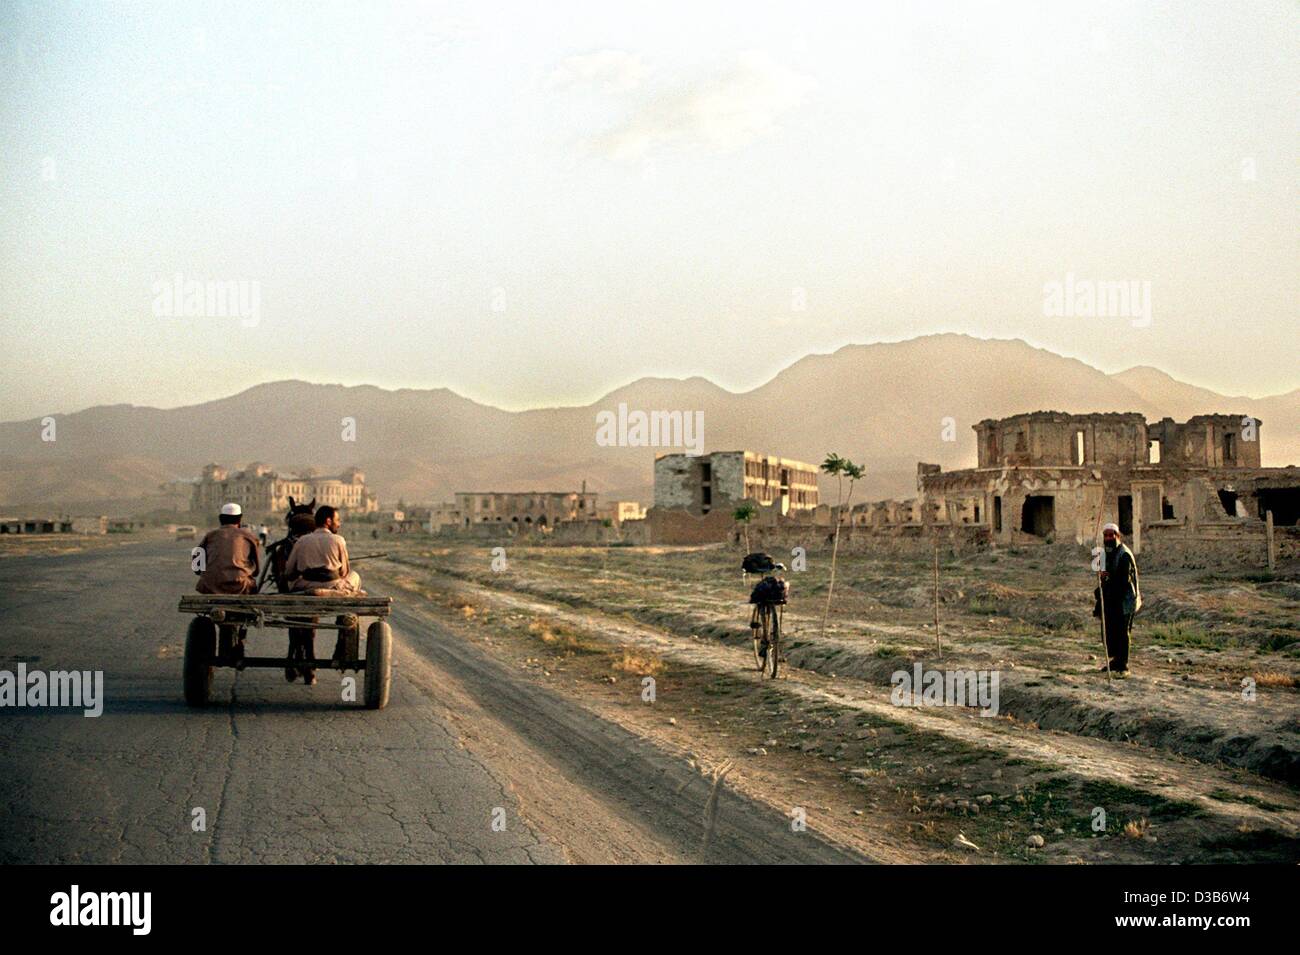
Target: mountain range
881,404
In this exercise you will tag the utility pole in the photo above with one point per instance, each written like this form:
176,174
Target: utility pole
1268,536
938,639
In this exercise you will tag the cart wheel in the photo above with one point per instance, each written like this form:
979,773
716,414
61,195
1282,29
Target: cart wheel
200,648
379,664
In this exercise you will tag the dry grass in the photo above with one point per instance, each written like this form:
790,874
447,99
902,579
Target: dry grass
1136,829
562,638
642,664
1274,678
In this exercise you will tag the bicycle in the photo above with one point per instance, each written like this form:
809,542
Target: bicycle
769,598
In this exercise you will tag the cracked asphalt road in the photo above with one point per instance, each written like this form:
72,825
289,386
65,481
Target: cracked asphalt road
288,774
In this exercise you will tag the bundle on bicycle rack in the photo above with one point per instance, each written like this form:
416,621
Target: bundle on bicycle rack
758,563
770,590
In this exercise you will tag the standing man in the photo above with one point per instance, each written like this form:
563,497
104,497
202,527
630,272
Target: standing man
1119,597
230,565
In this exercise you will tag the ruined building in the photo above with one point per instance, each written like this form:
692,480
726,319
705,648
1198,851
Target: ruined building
1059,476
696,496
1193,491
618,513
540,509
723,479
263,493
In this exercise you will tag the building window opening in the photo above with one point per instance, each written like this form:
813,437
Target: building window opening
1038,516
1229,501
1284,502
1125,506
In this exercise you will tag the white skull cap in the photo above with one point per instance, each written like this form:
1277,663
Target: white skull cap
231,510
1110,527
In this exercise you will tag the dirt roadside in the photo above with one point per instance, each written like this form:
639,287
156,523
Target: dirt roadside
596,790
909,787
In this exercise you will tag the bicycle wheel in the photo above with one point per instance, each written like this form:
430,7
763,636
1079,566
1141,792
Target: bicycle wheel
766,656
756,628
774,643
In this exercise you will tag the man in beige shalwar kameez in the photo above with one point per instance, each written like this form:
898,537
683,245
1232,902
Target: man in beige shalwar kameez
318,564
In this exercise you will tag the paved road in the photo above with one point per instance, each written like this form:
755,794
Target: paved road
290,774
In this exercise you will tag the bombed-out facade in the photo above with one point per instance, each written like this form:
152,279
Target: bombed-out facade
541,509
1060,476
722,480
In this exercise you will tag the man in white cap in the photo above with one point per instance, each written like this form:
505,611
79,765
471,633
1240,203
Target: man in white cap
230,556
1120,596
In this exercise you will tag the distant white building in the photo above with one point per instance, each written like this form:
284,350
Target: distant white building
262,492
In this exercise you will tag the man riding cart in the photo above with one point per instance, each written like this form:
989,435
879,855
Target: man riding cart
314,578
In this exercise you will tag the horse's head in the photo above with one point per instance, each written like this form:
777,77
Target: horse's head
300,518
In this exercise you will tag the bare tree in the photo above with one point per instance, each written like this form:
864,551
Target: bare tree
842,468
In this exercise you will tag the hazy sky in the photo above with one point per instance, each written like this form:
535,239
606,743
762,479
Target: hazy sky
534,203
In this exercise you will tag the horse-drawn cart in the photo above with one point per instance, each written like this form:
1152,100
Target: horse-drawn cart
235,614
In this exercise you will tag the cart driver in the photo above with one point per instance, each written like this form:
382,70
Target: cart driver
318,564
230,562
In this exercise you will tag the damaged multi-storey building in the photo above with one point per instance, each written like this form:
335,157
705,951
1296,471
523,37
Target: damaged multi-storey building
1194,492
1060,476
528,508
722,479
559,516
696,494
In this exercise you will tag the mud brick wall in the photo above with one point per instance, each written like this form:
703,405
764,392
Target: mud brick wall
1217,546
596,533
678,526
635,532
899,539
492,531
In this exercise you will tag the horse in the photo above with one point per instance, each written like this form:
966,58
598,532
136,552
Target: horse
299,521
302,640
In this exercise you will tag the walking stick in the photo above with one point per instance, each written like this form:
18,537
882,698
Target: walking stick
1101,599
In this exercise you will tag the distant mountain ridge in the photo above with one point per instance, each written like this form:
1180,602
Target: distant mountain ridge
883,404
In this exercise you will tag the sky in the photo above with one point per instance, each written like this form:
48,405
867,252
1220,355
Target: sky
533,204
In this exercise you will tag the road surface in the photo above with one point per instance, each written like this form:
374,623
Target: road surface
276,772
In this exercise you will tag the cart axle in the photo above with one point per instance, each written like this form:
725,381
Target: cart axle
281,662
